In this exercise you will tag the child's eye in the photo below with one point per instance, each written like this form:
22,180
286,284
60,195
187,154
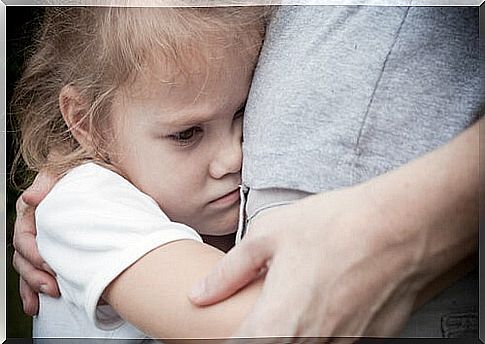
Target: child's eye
186,137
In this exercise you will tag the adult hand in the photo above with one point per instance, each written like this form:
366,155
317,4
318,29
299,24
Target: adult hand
351,262
35,275
333,270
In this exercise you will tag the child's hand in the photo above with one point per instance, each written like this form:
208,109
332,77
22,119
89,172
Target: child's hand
35,275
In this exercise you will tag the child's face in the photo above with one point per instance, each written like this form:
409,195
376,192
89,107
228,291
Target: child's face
180,142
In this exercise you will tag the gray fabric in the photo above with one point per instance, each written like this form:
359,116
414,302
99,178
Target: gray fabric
345,93
452,313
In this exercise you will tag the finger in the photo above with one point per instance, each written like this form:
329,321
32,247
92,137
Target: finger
26,247
41,186
24,221
241,265
37,280
30,299
24,236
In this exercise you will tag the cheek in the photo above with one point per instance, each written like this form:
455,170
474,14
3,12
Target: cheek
185,186
129,149
180,205
182,195
172,185
188,171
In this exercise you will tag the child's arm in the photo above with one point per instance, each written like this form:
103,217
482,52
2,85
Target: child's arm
104,238
152,294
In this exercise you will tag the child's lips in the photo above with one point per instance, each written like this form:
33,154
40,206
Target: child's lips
227,199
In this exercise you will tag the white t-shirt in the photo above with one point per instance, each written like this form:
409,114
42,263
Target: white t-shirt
90,228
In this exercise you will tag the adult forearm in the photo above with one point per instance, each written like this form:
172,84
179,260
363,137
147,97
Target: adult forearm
378,244
429,208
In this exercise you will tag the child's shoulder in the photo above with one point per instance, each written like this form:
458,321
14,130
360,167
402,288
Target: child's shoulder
92,177
94,186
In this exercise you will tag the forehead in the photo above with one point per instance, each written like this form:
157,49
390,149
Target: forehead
202,72
198,66
205,88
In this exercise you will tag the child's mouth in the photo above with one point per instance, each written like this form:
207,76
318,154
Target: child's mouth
227,199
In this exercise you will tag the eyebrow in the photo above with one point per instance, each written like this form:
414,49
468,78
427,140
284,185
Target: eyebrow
191,119
185,120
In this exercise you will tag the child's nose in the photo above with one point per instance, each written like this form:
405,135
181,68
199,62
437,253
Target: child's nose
227,158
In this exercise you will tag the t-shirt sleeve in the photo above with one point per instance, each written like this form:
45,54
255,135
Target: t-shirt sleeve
91,227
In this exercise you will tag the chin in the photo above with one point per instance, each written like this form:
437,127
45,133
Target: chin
221,226
218,231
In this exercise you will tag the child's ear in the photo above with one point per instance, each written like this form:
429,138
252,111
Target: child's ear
74,111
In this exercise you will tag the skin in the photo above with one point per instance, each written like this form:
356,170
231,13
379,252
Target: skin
180,143
169,314
395,215
389,268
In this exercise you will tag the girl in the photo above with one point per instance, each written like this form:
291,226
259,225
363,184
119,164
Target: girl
138,111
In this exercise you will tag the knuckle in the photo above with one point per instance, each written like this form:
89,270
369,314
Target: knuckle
19,204
15,261
15,243
261,239
255,253
251,244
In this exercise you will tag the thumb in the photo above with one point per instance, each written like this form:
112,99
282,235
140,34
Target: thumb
243,264
43,183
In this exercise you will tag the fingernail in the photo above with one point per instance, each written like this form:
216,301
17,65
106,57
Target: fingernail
197,292
48,269
43,288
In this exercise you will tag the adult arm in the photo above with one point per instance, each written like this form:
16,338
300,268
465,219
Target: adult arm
362,254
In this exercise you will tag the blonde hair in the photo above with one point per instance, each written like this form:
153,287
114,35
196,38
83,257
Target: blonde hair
98,50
